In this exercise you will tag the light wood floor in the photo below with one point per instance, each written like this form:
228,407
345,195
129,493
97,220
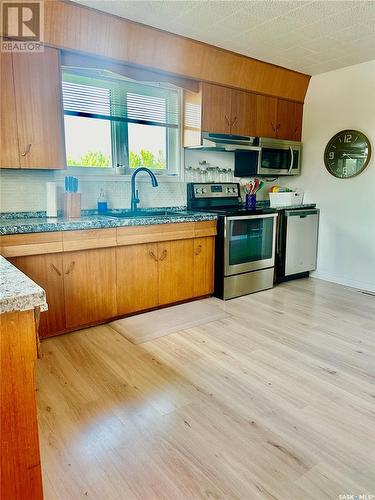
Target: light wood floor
275,402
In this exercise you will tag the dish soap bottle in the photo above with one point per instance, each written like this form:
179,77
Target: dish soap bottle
102,203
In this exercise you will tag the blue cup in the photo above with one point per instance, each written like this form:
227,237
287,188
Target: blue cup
250,201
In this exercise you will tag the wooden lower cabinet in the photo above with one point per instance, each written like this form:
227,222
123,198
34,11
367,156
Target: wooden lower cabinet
47,271
92,285
137,277
21,476
204,260
150,275
176,275
89,286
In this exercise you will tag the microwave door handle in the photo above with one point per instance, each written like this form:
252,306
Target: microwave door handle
291,160
259,161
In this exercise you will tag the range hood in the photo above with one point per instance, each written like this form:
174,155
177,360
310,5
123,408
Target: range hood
225,142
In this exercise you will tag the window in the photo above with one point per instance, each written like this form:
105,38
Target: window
112,121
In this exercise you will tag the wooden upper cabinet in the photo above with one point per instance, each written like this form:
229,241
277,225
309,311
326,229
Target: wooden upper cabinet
89,286
289,119
266,116
243,113
137,277
39,114
237,112
9,154
298,121
47,271
216,112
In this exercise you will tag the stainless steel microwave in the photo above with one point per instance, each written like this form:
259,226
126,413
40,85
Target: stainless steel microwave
270,157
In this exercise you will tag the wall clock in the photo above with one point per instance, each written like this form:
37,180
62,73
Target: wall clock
347,154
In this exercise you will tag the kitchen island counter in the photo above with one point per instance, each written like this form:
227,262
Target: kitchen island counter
17,291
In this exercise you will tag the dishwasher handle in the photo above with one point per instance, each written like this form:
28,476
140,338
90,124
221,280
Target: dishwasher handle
301,213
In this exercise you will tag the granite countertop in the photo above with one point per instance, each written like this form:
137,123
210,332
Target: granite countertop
37,222
17,291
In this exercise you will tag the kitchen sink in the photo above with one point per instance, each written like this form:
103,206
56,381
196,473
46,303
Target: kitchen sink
141,213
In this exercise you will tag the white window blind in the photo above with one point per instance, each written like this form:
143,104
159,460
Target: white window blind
131,124
120,101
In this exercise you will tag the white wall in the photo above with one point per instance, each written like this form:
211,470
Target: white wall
338,100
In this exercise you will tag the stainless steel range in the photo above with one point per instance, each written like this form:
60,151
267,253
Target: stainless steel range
245,243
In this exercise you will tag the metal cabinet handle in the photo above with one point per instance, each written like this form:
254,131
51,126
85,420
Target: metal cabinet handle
291,160
234,121
198,250
152,255
56,270
27,150
70,268
163,255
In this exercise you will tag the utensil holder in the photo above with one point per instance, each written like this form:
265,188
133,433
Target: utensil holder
72,205
250,201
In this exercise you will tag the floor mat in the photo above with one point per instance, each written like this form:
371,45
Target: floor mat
154,324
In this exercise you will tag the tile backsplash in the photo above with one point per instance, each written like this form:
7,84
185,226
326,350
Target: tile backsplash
25,190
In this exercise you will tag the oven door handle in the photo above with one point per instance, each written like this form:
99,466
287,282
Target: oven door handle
245,217
291,160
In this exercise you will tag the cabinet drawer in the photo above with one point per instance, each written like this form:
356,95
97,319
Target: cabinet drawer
18,245
205,228
86,239
159,232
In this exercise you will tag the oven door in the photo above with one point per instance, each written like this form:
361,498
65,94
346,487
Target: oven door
279,160
249,243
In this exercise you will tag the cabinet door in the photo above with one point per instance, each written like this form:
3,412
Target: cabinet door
266,116
176,259
243,113
204,255
289,119
37,81
137,277
8,124
216,103
89,286
47,271
298,121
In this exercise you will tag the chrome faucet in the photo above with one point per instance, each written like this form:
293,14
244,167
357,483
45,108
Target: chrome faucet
134,199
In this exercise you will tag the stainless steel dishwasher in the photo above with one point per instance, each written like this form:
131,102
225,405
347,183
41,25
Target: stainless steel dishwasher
297,243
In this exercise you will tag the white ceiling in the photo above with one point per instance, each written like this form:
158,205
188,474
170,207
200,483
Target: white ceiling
311,36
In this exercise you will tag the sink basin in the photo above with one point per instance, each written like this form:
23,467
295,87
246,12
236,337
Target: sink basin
141,213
